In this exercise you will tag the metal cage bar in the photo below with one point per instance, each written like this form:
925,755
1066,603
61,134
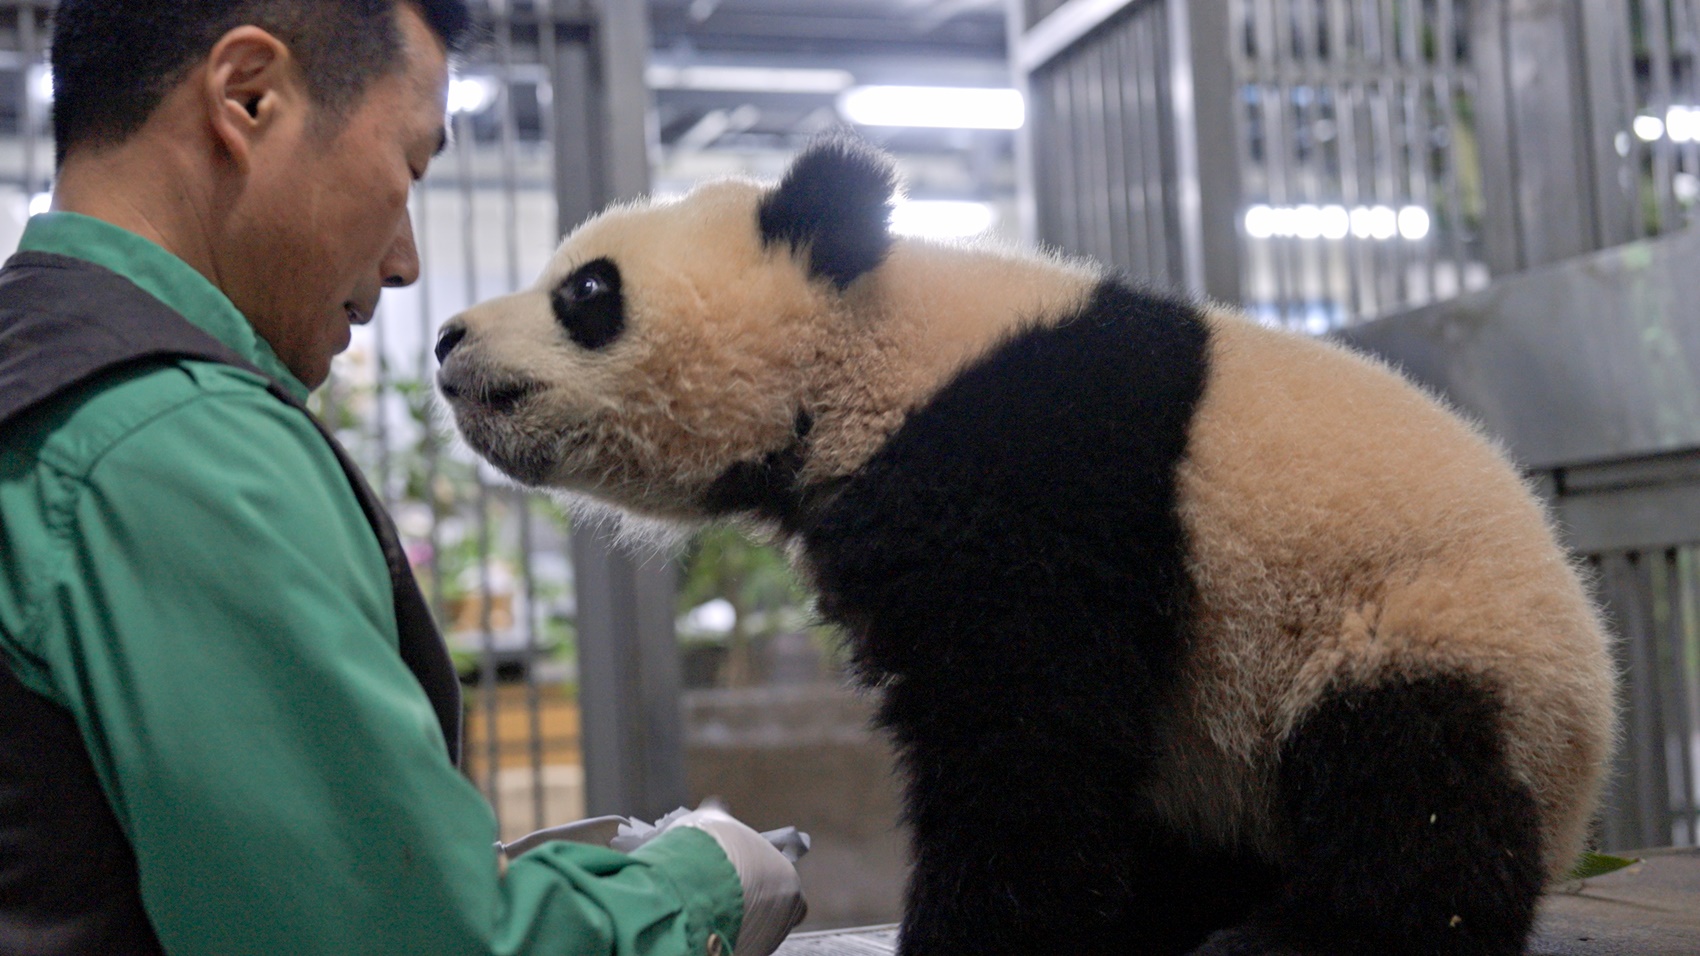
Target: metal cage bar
1650,597
1102,142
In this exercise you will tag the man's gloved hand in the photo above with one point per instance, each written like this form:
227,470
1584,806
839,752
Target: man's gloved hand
597,831
773,896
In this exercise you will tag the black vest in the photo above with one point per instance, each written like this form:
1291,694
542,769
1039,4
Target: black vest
68,879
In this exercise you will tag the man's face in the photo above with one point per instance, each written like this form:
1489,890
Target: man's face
328,225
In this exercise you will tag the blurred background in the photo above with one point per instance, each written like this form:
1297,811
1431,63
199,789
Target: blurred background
1496,194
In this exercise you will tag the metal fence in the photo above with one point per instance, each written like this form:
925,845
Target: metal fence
26,146
1637,521
1646,94
1324,162
492,558
1109,194
1358,157
1318,157
1652,596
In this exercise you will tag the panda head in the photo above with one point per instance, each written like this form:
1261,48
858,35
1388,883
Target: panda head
662,362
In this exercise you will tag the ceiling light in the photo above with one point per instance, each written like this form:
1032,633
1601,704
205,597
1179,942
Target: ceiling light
942,219
1649,128
935,106
714,617
471,94
41,83
1308,222
1682,124
1383,223
748,79
1334,222
1260,222
1413,222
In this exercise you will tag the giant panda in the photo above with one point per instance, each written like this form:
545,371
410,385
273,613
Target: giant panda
1193,636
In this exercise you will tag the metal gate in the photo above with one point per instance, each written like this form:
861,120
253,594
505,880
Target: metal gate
1324,162
1651,593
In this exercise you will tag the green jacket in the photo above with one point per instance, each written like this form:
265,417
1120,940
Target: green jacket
184,568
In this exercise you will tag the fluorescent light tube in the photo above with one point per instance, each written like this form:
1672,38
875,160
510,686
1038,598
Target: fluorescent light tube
936,106
748,79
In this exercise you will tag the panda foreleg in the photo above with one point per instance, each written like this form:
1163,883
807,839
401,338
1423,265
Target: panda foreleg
1027,841
1410,834
998,894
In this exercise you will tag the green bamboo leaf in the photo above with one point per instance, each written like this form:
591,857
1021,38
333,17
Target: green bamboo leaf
1591,865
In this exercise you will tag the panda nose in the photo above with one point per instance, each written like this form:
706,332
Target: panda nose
448,338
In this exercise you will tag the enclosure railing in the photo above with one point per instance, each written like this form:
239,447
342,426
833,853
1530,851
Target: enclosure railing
1324,162
1651,593
1359,157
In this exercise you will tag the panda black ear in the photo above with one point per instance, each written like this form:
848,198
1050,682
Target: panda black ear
835,201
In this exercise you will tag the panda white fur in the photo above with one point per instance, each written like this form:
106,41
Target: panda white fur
1193,635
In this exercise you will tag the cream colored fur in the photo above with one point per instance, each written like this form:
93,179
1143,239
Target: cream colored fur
1347,530
1344,528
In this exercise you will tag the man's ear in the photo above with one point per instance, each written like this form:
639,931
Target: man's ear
249,81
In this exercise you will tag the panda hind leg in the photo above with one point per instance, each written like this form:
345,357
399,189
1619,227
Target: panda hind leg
1411,836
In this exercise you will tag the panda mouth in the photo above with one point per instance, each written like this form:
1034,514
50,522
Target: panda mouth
499,397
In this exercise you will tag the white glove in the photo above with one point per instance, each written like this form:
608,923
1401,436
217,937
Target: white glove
773,896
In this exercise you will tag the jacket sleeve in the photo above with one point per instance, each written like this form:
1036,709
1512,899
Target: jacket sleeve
226,641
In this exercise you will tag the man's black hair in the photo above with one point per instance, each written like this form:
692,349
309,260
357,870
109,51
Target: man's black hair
114,60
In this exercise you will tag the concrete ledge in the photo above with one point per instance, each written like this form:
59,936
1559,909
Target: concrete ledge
1649,909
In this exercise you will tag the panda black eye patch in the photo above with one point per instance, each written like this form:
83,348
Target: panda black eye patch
589,306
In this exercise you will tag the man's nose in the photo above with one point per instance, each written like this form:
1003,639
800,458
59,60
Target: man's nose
400,266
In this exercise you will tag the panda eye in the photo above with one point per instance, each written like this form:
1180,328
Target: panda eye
588,305
584,288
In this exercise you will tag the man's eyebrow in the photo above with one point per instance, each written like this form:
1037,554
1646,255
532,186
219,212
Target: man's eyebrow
442,141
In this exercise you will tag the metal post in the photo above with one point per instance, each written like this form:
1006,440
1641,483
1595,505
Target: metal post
629,674
1202,95
1534,138
1026,201
623,42
629,679
1639,793
1502,238
1609,59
